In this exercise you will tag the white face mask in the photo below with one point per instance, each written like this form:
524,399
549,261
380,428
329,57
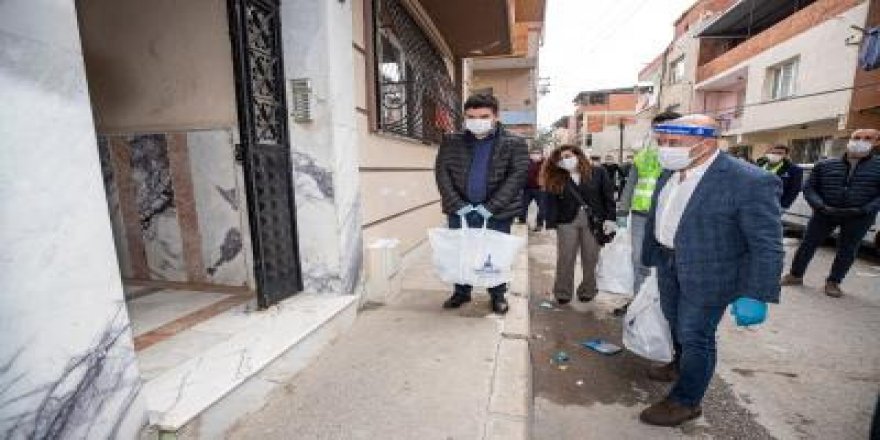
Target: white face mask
479,127
536,157
859,147
774,158
676,158
568,163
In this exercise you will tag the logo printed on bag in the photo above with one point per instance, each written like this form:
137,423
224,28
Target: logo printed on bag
488,267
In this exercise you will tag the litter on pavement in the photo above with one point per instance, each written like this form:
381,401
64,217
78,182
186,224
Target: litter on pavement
601,346
561,357
547,305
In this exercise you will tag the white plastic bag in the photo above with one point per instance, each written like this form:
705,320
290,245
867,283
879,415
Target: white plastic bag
477,257
614,272
645,330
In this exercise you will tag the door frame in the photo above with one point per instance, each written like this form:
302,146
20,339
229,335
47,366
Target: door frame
249,153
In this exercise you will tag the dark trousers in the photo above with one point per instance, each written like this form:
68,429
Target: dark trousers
819,228
475,220
693,329
539,197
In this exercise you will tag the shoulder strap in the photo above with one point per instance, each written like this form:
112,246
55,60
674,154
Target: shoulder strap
570,186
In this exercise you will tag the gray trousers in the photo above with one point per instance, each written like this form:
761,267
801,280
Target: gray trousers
637,230
574,238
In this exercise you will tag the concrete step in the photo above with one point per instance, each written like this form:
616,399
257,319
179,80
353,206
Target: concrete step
295,329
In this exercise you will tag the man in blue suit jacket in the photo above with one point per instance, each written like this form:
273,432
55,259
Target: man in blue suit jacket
714,233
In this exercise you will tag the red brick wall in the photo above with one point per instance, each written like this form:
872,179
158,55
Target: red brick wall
864,96
792,26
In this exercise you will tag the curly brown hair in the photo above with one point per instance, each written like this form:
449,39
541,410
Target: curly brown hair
555,178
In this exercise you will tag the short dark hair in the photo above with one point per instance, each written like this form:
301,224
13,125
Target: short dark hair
781,147
482,101
665,116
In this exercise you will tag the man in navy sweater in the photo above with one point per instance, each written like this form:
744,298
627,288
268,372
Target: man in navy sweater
481,173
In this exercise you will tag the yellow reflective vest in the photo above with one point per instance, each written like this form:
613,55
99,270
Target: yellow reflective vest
649,170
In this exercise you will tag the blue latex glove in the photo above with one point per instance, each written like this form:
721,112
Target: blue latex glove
483,212
465,211
748,311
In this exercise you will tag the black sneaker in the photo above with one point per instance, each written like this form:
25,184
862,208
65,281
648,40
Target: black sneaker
455,301
563,301
621,311
586,298
499,305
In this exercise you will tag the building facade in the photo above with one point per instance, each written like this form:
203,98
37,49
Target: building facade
514,79
787,78
196,187
604,122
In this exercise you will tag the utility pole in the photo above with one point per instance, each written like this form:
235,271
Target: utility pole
622,126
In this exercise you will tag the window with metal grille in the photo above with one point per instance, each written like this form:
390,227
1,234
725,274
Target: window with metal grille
416,96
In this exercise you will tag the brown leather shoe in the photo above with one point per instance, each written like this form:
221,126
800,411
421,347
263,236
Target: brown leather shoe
832,289
791,280
664,373
669,413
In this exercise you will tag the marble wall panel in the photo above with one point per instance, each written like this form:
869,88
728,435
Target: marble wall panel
67,364
219,200
111,190
151,174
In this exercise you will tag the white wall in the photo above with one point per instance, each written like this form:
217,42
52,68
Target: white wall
69,368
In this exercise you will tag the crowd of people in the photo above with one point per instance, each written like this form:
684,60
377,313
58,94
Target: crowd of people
708,224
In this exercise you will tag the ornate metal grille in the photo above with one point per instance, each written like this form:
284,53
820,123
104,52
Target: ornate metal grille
256,32
416,96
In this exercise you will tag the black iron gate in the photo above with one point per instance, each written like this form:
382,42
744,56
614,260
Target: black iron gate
255,27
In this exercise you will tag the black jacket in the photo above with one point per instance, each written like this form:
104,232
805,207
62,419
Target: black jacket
792,179
830,185
598,192
508,171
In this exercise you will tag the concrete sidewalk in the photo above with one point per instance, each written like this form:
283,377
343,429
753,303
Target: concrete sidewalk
410,369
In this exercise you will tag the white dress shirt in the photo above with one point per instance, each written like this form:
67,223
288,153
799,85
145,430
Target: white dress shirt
674,199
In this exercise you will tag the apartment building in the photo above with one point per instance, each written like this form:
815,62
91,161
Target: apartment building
605,121
196,185
786,72
514,79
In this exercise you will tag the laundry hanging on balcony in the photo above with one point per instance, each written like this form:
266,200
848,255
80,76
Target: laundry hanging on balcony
869,57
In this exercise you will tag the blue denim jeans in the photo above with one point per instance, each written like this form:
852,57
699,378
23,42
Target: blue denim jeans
637,230
693,335
820,226
475,220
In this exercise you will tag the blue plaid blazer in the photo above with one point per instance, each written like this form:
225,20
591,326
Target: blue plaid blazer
729,241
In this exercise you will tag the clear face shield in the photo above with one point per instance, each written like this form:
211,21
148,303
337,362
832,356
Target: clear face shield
677,142
681,135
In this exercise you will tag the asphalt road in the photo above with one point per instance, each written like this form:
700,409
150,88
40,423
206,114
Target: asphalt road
811,372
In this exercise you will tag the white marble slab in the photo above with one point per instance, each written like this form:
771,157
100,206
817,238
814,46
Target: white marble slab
68,366
151,174
181,393
218,202
152,311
